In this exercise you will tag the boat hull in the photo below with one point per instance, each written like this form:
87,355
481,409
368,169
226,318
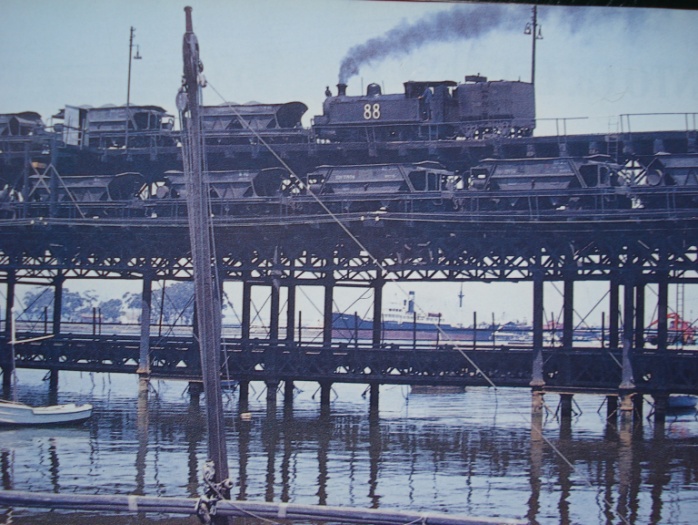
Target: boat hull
21,414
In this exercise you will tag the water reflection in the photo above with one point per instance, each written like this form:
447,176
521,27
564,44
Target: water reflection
476,453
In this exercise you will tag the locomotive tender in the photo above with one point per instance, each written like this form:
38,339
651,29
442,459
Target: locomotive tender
475,109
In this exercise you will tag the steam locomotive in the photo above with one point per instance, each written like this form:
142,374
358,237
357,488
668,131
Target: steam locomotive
475,109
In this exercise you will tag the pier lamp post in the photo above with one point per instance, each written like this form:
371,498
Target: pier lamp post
533,28
131,57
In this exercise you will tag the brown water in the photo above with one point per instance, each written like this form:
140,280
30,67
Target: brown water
471,453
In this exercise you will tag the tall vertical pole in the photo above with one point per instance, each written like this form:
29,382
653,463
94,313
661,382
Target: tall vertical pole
128,88
200,231
534,37
568,313
146,302
377,327
9,366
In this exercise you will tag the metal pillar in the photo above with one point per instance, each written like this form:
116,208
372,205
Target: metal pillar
568,313
56,330
195,390
288,393
373,398
640,314
327,313
146,303
325,391
244,395
566,405
537,380
274,312
291,314
9,364
377,312
246,320
662,311
611,406
272,387
614,313
627,384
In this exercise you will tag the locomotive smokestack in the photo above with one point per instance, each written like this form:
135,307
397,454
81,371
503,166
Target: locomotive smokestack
341,89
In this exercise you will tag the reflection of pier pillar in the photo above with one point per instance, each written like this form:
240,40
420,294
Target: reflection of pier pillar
536,466
246,310
377,311
8,364
567,313
537,380
566,406
327,313
146,303
195,390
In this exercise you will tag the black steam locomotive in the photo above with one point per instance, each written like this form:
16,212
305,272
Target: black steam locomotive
475,109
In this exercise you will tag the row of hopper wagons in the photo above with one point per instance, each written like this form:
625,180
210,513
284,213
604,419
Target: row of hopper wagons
499,185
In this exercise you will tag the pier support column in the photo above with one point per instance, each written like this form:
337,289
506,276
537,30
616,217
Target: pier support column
611,407
614,312
327,313
246,311
566,406
537,381
146,303
244,395
662,311
661,401
373,399
377,312
288,393
274,311
325,393
640,314
627,384
8,360
272,387
56,330
291,314
568,313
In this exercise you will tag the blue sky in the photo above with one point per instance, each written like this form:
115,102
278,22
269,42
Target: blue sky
596,63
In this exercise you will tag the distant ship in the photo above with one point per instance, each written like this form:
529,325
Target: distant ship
404,323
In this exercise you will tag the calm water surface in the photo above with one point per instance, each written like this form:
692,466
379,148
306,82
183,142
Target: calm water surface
472,453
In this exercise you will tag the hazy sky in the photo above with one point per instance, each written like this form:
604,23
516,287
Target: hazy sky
592,62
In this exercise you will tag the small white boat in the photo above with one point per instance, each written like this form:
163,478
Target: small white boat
13,413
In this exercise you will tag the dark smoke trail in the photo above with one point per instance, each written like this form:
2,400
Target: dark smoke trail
458,23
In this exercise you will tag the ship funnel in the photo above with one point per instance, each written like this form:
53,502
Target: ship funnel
410,303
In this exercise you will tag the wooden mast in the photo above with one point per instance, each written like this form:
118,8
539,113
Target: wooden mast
207,292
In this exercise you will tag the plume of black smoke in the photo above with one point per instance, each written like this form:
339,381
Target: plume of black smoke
470,22
457,23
